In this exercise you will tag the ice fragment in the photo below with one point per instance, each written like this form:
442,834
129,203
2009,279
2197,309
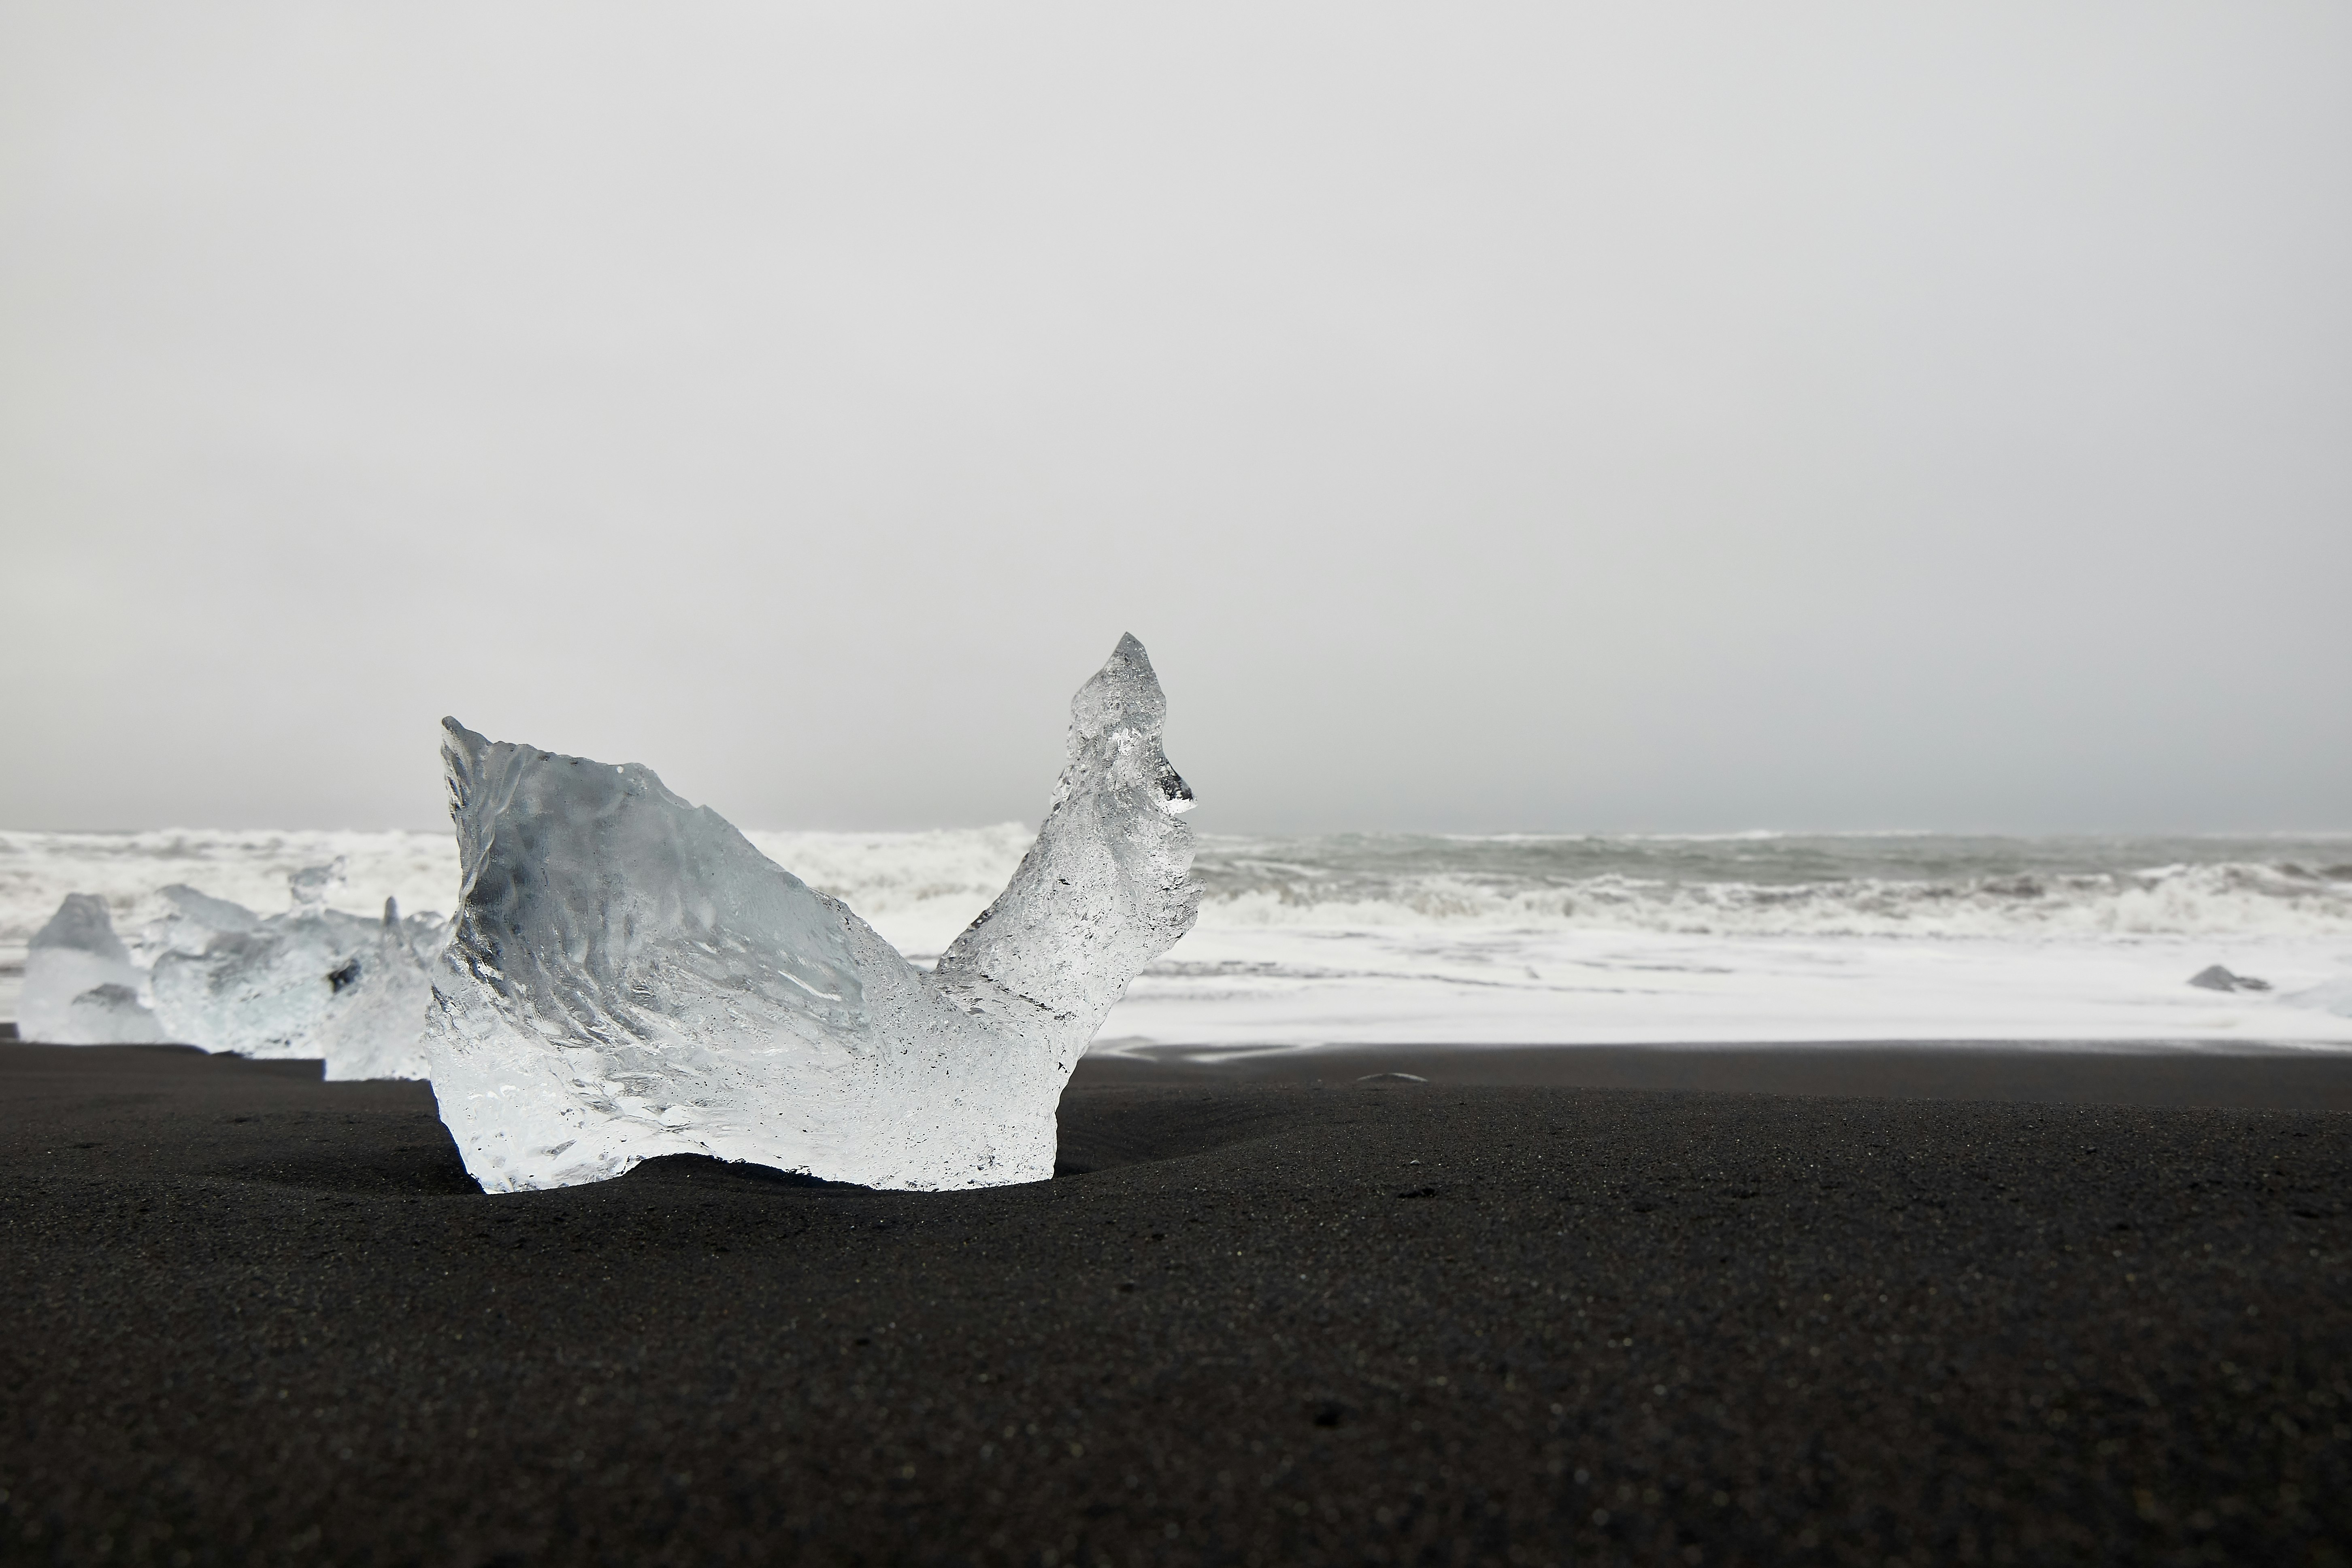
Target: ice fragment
313,981
81,986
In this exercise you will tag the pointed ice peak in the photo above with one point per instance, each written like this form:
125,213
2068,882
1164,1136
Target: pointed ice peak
1116,719
466,770
1123,694
82,925
1106,888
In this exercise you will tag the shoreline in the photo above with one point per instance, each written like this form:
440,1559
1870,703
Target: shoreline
2224,1073
2231,1074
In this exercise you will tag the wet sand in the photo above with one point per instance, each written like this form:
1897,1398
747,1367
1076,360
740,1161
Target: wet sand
2276,1077
252,1316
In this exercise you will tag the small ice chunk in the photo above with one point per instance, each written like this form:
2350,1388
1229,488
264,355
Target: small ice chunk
231,981
313,981
81,986
194,918
374,1024
310,886
629,977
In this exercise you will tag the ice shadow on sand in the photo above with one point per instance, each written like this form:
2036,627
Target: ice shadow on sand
384,1139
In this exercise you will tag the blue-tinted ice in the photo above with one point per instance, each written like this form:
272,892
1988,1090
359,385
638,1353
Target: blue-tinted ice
629,977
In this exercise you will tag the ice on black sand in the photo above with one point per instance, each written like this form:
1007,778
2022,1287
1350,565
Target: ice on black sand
312,982
629,977
81,985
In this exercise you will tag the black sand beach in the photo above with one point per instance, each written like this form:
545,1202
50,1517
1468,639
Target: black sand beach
254,1317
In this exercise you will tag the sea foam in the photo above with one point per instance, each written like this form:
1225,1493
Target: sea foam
1397,936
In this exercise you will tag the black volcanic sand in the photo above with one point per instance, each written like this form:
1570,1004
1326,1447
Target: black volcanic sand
254,1317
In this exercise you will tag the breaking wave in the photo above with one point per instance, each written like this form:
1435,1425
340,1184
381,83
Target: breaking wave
1918,884
2230,899
129,870
921,888
1751,885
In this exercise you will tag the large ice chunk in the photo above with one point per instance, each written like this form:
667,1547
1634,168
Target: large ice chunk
312,981
629,977
81,986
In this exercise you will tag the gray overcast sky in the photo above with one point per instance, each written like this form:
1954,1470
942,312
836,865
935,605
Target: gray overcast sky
1491,417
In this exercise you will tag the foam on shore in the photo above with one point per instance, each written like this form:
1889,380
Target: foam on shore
1362,938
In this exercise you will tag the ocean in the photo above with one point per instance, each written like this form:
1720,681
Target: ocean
1367,939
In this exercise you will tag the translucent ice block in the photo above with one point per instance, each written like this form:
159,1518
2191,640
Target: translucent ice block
81,986
313,981
629,977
